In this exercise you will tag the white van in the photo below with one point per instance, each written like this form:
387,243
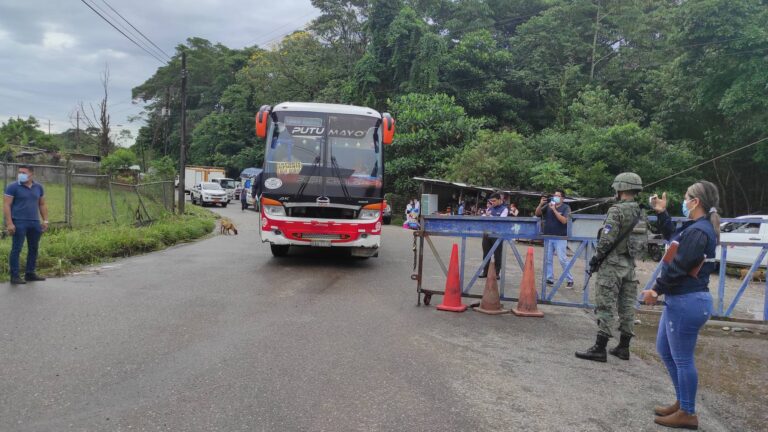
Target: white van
750,231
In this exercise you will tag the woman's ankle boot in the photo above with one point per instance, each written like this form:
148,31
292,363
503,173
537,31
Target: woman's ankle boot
662,411
680,420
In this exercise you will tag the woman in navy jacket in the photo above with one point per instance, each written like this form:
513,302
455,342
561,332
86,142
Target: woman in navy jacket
684,282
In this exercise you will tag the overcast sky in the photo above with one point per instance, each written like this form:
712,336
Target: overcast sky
52,52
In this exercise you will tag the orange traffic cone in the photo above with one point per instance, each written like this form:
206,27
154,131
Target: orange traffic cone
491,304
452,298
526,305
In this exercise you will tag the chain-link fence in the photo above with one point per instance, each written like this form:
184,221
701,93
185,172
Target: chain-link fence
77,196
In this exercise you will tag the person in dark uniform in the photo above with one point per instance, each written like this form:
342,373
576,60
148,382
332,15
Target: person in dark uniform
497,208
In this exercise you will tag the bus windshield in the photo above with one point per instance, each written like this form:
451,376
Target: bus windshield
318,154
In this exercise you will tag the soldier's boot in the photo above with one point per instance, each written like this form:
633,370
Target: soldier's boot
622,349
597,351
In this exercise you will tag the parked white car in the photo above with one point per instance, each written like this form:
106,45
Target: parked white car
745,232
208,193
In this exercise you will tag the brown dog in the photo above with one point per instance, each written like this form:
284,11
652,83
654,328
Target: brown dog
227,226
758,275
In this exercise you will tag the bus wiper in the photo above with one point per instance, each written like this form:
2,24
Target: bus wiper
337,173
375,172
303,185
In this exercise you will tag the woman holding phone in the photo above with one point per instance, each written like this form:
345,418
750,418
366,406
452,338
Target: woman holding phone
684,281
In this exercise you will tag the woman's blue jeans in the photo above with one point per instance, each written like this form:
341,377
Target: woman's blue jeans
679,327
31,231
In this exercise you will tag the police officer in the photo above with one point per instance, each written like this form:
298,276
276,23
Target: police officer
622,238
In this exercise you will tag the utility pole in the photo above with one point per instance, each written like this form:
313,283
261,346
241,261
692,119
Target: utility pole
77,132
166,117
49,126
183,144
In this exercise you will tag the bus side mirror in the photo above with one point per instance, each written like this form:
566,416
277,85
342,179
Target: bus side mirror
388,128
261,121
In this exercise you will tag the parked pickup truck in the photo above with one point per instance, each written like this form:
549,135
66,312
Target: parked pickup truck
208,193
749,231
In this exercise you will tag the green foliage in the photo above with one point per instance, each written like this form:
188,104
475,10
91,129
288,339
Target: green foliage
120,159
163,168
501,159
17,133
431,129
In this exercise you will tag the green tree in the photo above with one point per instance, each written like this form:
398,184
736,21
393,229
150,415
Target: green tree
431,130
162,169
605,136
17,133
714,93
211,69
120,159
501,159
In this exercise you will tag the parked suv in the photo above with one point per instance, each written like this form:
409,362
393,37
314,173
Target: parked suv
208,193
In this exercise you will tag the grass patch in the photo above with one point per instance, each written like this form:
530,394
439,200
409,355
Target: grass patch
64,250
91,205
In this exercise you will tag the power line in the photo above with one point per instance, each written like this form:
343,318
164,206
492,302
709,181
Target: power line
133,27
710,160
278,28
122,33
132,33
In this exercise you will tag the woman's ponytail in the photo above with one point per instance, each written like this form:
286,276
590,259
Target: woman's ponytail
709,197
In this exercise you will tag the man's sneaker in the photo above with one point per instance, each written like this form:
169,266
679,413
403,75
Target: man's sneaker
482,276
17,281
550,282
33,277
570,284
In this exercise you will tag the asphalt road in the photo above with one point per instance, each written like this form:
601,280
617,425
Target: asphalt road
217,335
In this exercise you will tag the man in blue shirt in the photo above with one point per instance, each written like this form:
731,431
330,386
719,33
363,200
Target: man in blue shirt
23,206
555,214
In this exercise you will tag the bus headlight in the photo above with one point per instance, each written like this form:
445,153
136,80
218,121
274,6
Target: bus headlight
271,210
369,214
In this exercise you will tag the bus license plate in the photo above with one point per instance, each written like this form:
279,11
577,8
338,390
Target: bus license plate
320,243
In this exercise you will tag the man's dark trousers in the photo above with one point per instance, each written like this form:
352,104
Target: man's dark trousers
487,245
31,231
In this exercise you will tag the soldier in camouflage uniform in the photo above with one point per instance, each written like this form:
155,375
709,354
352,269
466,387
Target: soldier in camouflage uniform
620,241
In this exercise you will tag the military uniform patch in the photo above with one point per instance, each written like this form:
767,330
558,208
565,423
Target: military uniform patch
607,228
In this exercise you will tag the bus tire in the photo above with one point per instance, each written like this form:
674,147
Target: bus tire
279,250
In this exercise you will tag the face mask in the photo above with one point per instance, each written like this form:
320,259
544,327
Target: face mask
23,178
556,200
686,211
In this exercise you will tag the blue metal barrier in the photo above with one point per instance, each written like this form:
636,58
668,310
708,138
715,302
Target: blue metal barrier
582,235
